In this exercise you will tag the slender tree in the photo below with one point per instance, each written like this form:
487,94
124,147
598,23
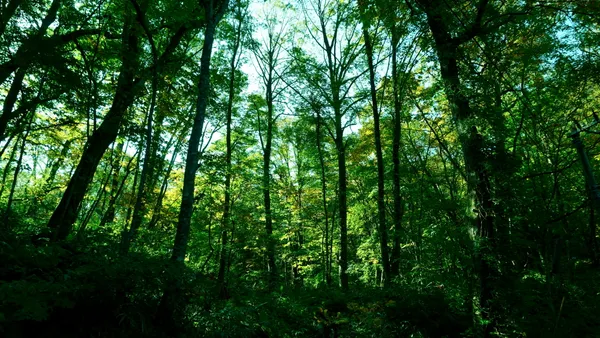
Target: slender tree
268,64
213,12
336,36
240,14
148,165
383,231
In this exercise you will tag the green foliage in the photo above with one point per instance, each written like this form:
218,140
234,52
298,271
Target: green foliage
522,70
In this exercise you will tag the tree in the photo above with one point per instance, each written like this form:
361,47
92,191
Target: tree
240,14
128,85
383,232
214,11
447,50
338,69
147,167
268,62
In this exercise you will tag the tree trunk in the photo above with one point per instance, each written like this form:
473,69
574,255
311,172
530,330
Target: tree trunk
28,49
223,261
93,207
213,16
383,232
172,295
323,196
267,59
17,170
134,185
156,159
343,207
140,204
7,13
56,164
272,268
447,49
10,100
11,158
65,213
116,190
397,119
340,146
163,187
117,156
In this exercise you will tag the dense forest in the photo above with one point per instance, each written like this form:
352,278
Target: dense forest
302,168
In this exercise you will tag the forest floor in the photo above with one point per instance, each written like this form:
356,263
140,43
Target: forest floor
57,290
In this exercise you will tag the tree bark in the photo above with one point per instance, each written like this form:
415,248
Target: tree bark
226,226
93,207
397,120
340,145
383,232
447,49
11,158
116,190
163,187
213,16
7,13
17,170
323,196
10,100
56,164
117,156
214,11
148,166
28,49
65,213
343,204
266,178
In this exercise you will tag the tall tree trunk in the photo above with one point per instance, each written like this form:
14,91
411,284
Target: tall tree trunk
298,281
163,187
323,196
336,102
340,51
226,226
156,159
147,167
6,144
300,179
397,119
343,204
65,213
117,156
447,49
56,165
383,232
266,181
90,213
11,158
213,16
11,100
118,189
214,10
267,59
340,146
17,170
